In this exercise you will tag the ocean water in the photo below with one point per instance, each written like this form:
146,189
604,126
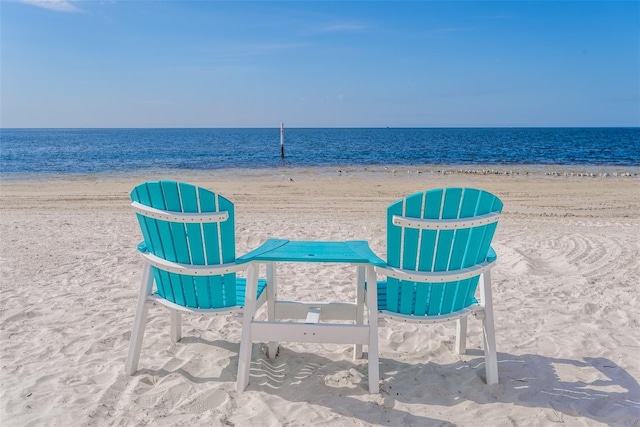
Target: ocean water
36,152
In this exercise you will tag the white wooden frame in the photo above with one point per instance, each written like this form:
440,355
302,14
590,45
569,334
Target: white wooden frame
311,331
445,224
483,310
146,297
182,217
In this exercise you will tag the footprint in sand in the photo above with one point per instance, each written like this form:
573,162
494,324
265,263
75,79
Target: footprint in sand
349,378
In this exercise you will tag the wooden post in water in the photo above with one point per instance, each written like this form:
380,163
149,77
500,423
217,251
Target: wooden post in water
282,139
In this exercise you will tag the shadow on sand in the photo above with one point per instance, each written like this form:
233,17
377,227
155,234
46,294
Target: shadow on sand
592,388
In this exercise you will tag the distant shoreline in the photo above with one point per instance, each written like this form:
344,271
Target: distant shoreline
311,172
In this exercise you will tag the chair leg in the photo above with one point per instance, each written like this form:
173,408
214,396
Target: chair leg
244,356
461,335
176,326
140,321
372,306
490,350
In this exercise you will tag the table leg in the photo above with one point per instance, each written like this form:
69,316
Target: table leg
357,348
272,296
372,306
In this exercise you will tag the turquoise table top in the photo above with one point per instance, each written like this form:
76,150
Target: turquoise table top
351,251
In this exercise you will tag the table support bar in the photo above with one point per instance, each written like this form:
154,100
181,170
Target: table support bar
300,310
310,333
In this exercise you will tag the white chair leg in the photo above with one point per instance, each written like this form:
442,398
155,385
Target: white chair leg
244,356
176,326
490,350
372,305
461,335
140,321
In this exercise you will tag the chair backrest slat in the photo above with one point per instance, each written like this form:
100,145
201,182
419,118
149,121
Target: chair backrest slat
228,248
455,294
226,229
488,204
412,247
394,251
173,236
431,210
410,244
151,234
192,243
211,251
210,231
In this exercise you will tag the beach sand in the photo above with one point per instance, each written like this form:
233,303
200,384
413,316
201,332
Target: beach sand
566,294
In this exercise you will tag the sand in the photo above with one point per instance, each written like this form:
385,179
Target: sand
566,294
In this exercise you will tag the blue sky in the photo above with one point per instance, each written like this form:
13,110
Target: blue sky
319,64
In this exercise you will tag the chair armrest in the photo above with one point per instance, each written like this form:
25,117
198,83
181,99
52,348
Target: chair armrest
435,276
491,255
190,269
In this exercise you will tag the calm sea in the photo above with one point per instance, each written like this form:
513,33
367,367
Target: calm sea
34,152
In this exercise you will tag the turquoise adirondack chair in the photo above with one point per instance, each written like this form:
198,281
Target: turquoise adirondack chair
438,251
189,252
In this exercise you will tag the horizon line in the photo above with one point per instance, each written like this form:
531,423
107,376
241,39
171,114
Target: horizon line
321,127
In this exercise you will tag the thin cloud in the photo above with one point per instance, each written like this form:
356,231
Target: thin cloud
256,49
453,30
342,27
57,5
494,17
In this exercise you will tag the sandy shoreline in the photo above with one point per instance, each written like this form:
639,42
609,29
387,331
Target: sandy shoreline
566,292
